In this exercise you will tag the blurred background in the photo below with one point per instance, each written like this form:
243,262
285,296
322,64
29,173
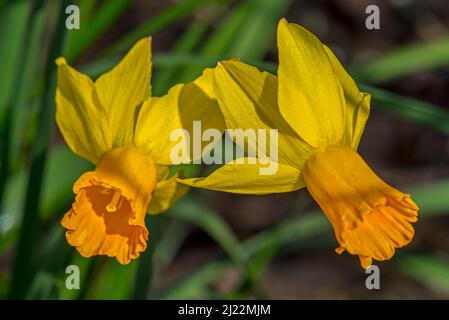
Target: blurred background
216,245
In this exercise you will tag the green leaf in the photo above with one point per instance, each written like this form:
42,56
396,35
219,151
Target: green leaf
219,41
404,61
13,27
256,36
86,268
417,111
214,225
166,77
24,266
431,198
112,281
155,24
98,23
194,285
27,75
431,271
171,241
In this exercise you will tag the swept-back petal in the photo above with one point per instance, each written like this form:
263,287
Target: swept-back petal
248,100
357,103
310,96
244,176
123,89
160,117
167,193
79,114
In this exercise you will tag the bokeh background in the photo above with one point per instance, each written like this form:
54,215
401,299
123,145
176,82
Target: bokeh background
216,245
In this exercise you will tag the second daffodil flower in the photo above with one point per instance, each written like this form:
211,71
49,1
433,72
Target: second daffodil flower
320,115
116,124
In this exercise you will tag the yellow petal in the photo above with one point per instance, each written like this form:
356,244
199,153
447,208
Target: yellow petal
167,193
124,88
244,176
357,103
108,216
183,104
370,218
80,116
310,97
248,100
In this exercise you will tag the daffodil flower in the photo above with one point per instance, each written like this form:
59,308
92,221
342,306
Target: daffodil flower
116,124
320,115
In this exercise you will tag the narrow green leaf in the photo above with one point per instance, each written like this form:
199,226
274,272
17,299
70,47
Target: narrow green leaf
87,11
112,281
13,25
27,75
431,198
101,19
145,269
193,212
170,243
24,265
155,24
219,41
420,112
404,61
166,77
431,271
86,266
256,36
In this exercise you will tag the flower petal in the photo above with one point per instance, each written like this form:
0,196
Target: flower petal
370,218
310,97
177,110
80,116
248,100
167,193
244,176
124,88
94,231
357,103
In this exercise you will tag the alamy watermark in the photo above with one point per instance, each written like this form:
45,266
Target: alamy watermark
72,282
373,280
253,147
73,19
372,22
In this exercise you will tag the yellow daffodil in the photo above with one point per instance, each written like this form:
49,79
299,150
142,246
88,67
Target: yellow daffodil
116,124
320,115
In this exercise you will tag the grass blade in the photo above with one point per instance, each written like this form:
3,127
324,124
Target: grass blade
404,61
145,268
13,25
101,19
431,271
155,24
265,14
28,71
24,265
193,212
417,111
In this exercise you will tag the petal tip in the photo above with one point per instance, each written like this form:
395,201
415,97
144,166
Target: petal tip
60,61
